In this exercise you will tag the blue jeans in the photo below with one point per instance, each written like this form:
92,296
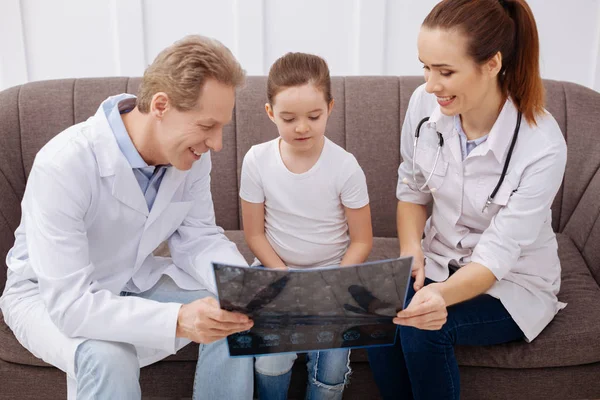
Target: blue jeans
110,370
328,373
421,365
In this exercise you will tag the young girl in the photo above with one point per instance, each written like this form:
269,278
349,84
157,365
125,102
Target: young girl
491,160
304,204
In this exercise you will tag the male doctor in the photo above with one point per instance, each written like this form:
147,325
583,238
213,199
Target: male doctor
84,291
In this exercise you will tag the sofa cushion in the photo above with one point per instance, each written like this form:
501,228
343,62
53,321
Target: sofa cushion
12,351
570,339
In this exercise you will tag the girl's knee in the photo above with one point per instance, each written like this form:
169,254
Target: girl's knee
275,365
329,369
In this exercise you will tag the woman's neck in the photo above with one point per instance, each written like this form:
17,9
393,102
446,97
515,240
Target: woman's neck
479,121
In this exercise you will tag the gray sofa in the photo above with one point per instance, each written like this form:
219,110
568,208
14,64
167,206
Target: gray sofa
562,363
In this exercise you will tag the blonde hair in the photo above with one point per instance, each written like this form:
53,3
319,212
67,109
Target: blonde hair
181,69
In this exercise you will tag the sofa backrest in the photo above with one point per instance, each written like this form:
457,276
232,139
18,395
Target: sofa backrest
366,120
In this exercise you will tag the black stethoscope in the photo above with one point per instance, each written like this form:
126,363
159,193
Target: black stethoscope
421,188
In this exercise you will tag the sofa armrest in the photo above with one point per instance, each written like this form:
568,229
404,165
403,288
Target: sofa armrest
584,226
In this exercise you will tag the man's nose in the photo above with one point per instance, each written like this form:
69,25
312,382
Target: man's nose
215,143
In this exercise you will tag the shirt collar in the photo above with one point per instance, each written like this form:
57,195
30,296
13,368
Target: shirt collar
502,132
441,123
461,133
113,109
499,137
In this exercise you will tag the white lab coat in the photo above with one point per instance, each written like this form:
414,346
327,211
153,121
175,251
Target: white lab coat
513,237
86,234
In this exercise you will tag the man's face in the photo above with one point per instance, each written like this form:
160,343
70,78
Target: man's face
183,136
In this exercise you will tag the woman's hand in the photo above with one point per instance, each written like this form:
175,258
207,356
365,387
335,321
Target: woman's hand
427,310
418,268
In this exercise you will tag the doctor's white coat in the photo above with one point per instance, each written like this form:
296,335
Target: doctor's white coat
86,234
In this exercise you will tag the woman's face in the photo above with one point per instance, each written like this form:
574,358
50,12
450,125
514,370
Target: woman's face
460,84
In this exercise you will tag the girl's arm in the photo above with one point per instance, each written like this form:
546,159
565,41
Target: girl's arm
253,217
361,235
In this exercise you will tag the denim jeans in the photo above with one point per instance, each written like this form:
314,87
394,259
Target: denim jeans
328,373
422,365
110,370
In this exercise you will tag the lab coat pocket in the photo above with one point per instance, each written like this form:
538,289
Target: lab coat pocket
435,172
501,198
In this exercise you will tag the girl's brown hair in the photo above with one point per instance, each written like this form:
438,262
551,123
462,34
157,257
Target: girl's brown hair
505,26
297,69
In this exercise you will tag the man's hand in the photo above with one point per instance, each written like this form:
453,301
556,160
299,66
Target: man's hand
202,321
418,269
427,310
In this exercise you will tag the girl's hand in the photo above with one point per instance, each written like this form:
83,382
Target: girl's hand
418,269
427,310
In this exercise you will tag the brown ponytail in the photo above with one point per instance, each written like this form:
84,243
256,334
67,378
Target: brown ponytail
505,26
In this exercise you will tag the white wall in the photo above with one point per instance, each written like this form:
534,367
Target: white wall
49,39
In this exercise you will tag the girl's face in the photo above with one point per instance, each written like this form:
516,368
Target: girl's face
300,113
460,84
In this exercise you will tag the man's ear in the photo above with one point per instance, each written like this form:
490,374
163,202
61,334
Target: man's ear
269,111
160,104
330,107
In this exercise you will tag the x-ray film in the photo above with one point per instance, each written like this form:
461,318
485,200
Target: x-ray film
314,309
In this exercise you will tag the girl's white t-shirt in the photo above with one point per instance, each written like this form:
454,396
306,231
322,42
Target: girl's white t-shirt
305,222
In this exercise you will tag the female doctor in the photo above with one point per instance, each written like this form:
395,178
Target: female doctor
491,159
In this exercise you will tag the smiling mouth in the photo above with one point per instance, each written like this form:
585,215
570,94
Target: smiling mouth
195,152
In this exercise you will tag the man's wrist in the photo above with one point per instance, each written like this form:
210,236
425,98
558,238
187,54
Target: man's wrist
179,331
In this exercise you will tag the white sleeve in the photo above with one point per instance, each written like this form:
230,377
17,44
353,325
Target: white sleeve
354,193
54,206
405,171
199,242
519,223
251,187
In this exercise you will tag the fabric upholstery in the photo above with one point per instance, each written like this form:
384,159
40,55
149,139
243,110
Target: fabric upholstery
563,362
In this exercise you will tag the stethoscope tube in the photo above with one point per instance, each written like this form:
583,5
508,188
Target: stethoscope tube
506,162
438,153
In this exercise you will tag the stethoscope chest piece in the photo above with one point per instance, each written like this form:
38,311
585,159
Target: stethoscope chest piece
415,186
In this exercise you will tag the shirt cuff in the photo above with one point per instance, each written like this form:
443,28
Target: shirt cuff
406,194
172,313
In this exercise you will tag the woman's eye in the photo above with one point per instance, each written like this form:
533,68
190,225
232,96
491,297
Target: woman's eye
446,73
425,67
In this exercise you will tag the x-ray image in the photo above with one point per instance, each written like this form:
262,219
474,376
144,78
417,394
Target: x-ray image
314,309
